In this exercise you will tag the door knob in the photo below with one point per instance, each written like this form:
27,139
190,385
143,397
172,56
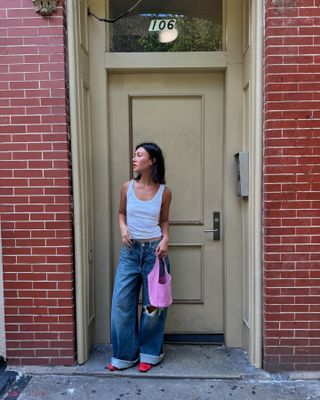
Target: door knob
216,226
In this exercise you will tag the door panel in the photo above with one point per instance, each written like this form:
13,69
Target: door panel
183,113
175,122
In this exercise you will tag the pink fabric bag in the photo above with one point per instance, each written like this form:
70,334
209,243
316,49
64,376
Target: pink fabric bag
159,287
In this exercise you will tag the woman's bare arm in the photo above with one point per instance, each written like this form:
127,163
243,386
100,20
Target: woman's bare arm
162,249
122,216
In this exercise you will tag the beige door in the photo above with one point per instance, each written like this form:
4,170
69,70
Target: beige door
183,113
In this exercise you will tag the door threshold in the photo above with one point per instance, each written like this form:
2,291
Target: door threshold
213,339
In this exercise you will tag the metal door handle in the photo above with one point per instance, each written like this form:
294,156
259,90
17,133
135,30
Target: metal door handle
216,226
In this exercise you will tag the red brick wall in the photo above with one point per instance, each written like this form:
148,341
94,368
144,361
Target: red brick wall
292,185
35,187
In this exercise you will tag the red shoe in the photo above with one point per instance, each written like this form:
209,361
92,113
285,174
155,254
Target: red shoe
112,368
144,367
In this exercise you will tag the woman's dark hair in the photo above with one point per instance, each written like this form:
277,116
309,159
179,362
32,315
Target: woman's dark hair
158,168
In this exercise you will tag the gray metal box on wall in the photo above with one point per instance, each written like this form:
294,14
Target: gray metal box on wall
242,173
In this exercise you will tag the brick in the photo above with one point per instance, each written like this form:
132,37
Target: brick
295,239
307,333
16,318
35,344
43,233
17,285
67,361
20,353
65,302
36,21
310,317
295,257
61,294
294,359
61,327
27,173
278,350
33,361
45,319
24,68
307,300
47,353
19,336
39,76
307,367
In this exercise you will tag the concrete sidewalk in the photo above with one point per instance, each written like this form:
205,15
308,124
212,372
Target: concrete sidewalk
195,372
95,388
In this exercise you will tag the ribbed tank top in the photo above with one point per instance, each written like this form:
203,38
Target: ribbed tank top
143,215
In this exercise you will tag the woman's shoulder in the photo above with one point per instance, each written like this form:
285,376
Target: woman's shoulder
125,186
167,194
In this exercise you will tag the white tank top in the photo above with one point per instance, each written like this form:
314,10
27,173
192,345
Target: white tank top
143,215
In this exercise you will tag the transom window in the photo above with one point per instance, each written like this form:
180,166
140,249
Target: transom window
166,25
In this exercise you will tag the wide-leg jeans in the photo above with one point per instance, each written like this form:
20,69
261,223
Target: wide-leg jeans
133,341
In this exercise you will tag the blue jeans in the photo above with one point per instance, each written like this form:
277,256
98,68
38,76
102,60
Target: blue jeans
131,343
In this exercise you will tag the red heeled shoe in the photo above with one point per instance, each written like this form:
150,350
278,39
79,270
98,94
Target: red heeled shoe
144,367
111,368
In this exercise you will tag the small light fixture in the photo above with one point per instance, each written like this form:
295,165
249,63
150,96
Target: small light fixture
45,7
168,36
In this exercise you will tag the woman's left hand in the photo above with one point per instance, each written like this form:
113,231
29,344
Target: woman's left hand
162,248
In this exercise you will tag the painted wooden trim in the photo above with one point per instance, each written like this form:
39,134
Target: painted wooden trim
230,62
126,61
231,208
256,152
153,61
75,121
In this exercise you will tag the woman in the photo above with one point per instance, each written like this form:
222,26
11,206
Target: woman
144,226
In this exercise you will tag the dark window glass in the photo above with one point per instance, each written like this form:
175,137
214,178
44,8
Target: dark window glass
164,25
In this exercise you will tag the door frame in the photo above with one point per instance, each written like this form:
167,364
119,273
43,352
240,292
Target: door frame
231,62
206,90
254,69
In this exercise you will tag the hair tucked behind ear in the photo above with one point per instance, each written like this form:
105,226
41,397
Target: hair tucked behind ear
158,168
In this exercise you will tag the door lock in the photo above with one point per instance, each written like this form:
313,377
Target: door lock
216,226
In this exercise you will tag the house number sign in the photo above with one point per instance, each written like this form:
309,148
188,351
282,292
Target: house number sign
158,25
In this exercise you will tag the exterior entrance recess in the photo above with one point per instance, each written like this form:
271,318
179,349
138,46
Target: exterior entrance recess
183,113
236,70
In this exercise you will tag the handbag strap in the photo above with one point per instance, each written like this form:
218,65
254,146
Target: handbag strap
164,264
156,267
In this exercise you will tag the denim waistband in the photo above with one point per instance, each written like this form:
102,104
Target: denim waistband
146,243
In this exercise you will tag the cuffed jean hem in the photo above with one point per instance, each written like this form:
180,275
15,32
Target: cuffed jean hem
123,364
150,359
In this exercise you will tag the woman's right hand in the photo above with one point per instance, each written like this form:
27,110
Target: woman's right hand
125,237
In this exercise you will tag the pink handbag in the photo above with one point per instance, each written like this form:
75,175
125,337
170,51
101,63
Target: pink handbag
159,287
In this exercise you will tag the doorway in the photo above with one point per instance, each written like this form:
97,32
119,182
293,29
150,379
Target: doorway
183,113
239,68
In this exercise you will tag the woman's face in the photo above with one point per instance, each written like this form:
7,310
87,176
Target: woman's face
141,161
